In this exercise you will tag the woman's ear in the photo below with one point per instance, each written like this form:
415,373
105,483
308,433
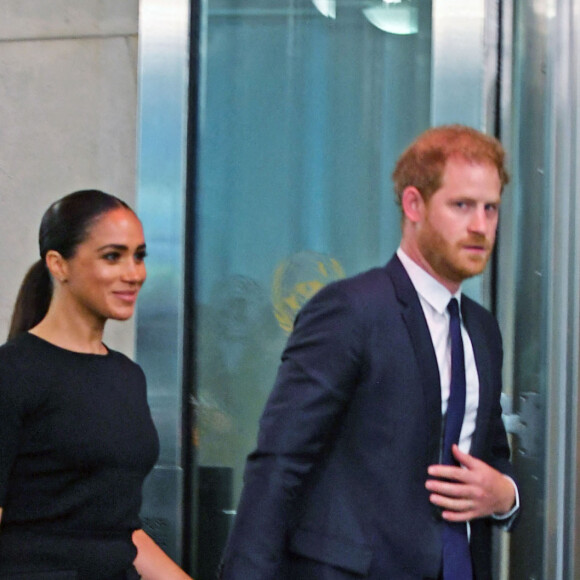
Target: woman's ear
57,266
413,204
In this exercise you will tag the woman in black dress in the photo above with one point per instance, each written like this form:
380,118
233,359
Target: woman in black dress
76,435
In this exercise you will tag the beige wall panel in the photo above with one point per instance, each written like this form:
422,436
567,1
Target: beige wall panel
67,121
21,19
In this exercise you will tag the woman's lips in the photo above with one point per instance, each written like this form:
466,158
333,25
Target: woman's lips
126,295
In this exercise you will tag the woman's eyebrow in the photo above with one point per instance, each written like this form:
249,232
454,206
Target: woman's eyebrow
119,247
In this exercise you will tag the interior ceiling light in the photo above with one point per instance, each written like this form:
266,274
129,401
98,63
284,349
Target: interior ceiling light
326,7
394,16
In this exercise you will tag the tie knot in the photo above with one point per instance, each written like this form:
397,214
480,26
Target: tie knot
453,308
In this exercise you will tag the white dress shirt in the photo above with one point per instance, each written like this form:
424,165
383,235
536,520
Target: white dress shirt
434,298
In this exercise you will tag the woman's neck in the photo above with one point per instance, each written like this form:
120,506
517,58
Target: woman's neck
71,333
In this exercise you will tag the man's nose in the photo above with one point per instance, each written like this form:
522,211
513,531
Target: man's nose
478,222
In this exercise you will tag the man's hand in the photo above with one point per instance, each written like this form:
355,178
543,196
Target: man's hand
473,490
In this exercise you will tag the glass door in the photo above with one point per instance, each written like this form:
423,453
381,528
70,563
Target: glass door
303,112
303,108
271,179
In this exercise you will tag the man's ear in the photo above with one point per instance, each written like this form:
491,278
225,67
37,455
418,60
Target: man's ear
413,204
57,266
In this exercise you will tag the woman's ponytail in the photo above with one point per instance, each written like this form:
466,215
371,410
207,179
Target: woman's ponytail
32,301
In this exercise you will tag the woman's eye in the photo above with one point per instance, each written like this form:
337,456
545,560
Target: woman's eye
111,256
140,256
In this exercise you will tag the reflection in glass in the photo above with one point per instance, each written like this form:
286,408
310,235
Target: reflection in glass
326,7
297,279
394,16
236,362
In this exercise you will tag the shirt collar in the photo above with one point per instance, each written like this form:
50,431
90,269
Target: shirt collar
430,290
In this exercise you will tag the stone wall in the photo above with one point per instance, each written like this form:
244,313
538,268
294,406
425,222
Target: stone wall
68,119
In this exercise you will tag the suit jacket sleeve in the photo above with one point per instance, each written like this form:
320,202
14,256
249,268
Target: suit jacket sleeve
313,386
490,440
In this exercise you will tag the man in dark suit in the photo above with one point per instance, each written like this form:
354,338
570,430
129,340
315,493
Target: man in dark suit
357,473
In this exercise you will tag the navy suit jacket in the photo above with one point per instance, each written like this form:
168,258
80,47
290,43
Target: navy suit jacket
336,486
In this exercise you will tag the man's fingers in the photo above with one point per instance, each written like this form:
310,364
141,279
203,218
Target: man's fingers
468,466
455,510
452,503
447,488
450,516
449,472
464,458
474,490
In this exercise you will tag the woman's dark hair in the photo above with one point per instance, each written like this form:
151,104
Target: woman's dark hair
65,225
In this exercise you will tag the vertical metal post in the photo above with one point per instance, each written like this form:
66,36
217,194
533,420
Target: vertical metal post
163,98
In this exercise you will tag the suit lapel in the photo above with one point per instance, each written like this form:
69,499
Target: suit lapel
424,354
483,365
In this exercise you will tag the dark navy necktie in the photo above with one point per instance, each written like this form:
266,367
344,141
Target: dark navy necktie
456,556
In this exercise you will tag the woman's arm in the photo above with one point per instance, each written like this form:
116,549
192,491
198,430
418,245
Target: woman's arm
152,562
